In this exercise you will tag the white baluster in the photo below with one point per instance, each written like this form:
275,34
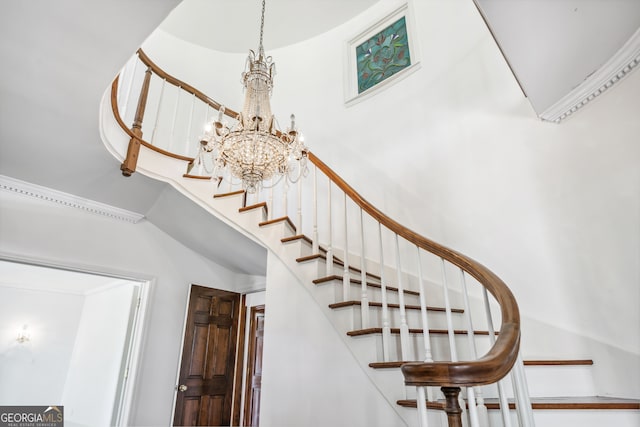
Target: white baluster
299,219
128,91
404,327
285,199
346,280
421,402
315,245
364,298
450,330
428,356
447,307
521,391
329,254
188,141
474,410
502,396
158,112
173,122
270,203
386,324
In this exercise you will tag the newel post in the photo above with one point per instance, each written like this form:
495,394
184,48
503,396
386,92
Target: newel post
452,408
129,165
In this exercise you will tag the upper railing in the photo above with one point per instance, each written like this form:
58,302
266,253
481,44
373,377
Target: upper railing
351,233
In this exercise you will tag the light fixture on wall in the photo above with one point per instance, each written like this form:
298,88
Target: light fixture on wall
253,148
24,335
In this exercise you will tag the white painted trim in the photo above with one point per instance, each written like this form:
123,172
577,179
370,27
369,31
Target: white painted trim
618,67
351,94
134,357
48,194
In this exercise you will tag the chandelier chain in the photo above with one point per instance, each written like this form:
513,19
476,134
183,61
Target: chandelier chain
260,47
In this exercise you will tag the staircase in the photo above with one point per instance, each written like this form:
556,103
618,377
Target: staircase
418,317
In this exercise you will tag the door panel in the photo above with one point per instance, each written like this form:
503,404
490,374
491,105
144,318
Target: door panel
208,358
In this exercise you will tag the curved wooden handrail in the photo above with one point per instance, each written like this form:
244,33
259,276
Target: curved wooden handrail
116,114
185,86
499,360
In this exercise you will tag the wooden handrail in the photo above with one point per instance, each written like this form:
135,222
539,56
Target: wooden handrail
116,114
500,359
185,86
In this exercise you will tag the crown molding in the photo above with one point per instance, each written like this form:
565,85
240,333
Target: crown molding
614,70
54,196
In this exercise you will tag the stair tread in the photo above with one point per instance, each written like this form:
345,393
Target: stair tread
391,305
284,219
232,193
337,261
301,237
359,282
203,177
568,362
369,331
568,402
262,205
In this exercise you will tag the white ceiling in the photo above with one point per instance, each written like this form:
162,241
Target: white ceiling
234,26
59,56
552,46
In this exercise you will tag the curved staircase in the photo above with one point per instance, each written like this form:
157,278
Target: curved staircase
431,328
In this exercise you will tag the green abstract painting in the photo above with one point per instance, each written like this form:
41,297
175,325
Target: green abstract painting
383,55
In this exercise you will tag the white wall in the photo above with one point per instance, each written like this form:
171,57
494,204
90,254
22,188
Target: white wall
34,372
39,230
95,368
309,377
455,152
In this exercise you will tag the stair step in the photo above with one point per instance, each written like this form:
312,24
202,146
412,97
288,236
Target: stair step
574,362
233,193
358,282
397,364
370,331
379,304
203,177
284,219
303,238
262,205
336,261
579,402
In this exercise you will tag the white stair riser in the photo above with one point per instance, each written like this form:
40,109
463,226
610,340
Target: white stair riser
550,381
574,418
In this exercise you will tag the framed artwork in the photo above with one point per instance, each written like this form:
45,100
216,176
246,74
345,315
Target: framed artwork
380,55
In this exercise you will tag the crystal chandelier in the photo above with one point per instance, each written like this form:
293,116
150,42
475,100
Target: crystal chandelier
253,148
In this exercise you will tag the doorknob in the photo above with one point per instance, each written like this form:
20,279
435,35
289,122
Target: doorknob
182,387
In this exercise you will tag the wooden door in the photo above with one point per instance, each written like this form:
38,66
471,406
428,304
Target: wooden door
254,368
205,389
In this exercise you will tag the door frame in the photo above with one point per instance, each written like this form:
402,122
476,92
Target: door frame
248,372
132,353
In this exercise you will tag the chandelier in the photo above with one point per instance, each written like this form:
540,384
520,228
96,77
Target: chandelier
252,148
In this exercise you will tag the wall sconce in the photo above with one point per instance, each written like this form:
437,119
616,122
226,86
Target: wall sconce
24,335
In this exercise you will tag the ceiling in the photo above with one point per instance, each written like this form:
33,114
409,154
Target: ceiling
237,28
552,46
56,65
